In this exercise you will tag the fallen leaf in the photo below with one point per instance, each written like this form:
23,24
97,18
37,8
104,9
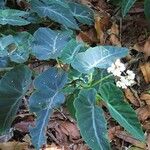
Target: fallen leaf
81,147
146,49
23,126
112,131
145,97
14,146
63,131
145,69
23,4
128,138
146,125
148,141
130,96
27,139
88,36
70,129
53,147
138,47
100,25
114,29
143,113
114,34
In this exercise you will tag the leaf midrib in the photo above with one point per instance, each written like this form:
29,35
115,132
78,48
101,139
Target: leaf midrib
46,116
94,121
55,12
101,59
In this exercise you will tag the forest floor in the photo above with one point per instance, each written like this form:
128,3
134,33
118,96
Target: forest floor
109,29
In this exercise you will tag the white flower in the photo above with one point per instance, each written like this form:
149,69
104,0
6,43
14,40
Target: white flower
121,84
125,81
116,68
131,74
117,72
111,68
120,65
125,78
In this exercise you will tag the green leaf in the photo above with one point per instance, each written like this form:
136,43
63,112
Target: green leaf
63,3
55,12
70,104
74,75
126,5
70,50
4,43
147,8
100,75
4,61
20,52
99,57
13,17
82,13
48,44
91,121
46,98
13,87
120,110
2,4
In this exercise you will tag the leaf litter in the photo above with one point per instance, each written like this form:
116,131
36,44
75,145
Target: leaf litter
62,131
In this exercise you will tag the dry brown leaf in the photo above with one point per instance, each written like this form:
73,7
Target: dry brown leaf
99,5
26,116
100,25
138,47
63,132
23,126
146,49
114,35
145,69
128,138
130,96
27,139
145,97
81,147
53,147
88,36
146,125
112,131
143,113
114,29
70,130
23,4
13,146
148,141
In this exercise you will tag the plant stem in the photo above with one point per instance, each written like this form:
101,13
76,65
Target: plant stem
90,77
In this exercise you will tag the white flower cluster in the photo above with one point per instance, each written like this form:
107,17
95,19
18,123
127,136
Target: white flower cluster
125,78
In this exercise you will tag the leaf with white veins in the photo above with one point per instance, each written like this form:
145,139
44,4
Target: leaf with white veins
97,57
13,87
46,98
91,121
120,110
